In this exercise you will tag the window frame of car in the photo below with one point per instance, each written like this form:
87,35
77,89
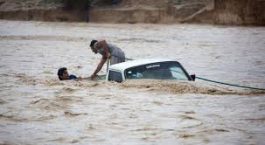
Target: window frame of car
155,63
121,79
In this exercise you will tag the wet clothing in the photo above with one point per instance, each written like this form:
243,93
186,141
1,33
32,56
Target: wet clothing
72,77
117,55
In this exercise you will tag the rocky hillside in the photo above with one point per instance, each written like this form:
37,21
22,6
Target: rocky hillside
240,12
231,12
148,11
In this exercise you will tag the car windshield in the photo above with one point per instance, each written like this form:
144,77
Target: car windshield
162,70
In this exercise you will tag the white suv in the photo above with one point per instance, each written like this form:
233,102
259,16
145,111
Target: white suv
148,69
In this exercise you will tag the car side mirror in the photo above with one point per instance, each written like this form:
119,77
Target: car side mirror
193,77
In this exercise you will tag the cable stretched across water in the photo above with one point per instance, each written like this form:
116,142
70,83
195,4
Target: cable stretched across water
228,84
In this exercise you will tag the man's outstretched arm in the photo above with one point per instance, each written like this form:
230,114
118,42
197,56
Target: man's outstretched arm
99,67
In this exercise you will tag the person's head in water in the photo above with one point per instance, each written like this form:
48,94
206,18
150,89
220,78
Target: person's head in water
63,73
93,45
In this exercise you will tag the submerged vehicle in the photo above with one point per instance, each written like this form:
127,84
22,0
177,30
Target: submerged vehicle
163,69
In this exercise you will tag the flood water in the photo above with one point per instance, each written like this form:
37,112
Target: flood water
37,108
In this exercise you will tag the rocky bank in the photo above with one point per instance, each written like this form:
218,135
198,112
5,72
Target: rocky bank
229,12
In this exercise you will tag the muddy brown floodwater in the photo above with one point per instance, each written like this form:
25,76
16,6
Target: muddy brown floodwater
36,108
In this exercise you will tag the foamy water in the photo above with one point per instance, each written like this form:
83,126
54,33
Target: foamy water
36,108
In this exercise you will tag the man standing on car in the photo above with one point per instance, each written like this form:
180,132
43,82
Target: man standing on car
108,51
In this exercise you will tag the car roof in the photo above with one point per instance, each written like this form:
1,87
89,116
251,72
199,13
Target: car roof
128,64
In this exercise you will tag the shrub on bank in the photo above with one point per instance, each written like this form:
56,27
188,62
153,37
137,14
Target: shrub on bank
76,4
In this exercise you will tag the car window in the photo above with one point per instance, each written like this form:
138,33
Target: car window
115,76
177,73
163,70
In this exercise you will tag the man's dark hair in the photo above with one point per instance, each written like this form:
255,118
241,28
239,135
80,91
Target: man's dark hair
92,43
60,72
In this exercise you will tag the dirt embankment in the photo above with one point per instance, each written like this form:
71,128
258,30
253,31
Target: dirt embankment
230,12
234,12
43,10
149,11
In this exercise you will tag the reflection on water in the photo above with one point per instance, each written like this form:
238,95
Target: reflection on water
36,108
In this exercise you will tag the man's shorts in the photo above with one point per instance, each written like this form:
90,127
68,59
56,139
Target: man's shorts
117,56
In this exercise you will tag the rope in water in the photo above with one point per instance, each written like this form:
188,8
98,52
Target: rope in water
228,84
